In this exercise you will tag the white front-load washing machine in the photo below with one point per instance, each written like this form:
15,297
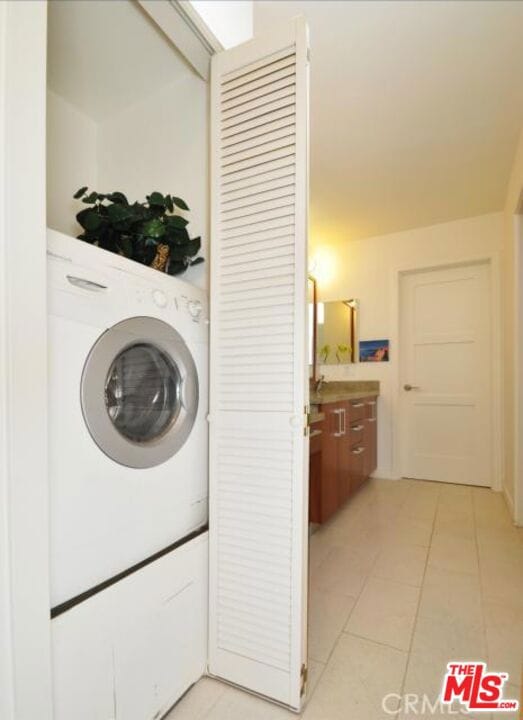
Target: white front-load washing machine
128,436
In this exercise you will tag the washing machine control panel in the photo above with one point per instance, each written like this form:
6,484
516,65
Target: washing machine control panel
164,300
193,307
160,299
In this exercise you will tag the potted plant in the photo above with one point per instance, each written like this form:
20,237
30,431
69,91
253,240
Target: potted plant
149,232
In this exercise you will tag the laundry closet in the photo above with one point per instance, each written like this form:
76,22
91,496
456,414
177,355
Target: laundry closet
138,101
126,111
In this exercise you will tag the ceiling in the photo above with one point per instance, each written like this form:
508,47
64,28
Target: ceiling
416,108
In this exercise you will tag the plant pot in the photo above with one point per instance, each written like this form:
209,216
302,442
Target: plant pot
161,258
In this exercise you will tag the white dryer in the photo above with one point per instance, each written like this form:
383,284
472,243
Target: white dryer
128,386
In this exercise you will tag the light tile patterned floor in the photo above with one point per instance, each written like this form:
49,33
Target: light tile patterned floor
407,576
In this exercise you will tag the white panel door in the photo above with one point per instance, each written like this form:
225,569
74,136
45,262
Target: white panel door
446,375
259,379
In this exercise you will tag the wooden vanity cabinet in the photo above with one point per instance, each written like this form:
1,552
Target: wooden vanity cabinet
348,455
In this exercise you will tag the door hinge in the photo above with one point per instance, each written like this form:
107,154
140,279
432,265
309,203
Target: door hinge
306,420
304,674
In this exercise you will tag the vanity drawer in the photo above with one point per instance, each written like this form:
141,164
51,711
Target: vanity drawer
358,462
357,409
356,431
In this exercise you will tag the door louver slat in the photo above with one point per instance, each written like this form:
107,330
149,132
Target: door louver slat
264,103
267,80
265,68
271,89
281,223
253,241
258,132
263,161
249,178
256,196
258,124
263,112
256,69
260,143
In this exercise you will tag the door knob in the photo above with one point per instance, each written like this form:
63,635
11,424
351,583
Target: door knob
408,387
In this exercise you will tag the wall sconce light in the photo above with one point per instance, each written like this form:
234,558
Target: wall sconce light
322,266
321,313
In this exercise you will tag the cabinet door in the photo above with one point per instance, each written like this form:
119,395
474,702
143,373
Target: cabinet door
315,479
344,445
372,435
258,530
330,459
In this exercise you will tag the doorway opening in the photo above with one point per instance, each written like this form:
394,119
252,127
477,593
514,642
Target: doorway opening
518,366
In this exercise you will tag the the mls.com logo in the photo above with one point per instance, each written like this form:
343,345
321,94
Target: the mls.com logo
475,688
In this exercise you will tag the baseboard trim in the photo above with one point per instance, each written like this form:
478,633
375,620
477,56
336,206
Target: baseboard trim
380,474
510,503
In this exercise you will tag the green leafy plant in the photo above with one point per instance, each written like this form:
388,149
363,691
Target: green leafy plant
324,353
150,232
341,350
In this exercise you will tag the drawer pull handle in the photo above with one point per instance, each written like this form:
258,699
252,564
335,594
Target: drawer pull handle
371,403
340,412
358,451
357,428
371,419
358,405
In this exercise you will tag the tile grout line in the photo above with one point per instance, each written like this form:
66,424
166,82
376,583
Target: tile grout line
416,616
480,578
376,642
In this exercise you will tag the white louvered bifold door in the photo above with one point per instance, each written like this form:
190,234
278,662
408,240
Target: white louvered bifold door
259,378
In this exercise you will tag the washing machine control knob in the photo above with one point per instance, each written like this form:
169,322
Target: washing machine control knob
159,298
195,309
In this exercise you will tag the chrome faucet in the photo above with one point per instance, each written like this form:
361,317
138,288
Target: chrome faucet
319,383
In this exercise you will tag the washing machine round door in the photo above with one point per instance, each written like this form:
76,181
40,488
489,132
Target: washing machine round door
139,392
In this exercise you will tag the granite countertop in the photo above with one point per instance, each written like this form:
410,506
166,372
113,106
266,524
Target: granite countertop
337,391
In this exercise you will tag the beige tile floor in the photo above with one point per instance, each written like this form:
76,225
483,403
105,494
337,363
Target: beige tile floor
407,576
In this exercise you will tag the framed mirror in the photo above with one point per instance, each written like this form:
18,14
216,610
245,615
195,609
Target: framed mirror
312,306
336,332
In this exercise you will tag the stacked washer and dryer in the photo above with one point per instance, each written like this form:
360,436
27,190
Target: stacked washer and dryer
128,385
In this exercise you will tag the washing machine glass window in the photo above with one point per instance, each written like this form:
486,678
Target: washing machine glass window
142,392
139,392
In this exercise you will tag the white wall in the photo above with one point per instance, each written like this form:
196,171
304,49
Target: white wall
161,144
365,269
25,649
72,153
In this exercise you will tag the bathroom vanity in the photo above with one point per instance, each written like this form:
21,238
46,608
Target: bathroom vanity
343,444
